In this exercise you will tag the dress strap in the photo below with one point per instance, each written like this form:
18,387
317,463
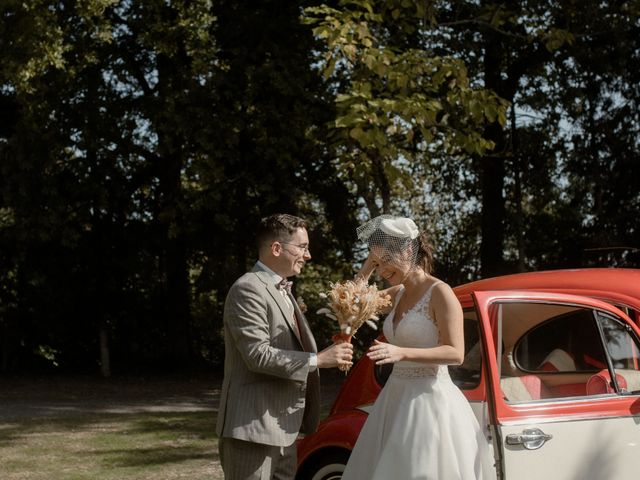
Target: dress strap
437,282
426,298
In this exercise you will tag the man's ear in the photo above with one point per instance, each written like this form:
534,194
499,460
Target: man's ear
276,249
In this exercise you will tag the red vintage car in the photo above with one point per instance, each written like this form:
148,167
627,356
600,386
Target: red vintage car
552,372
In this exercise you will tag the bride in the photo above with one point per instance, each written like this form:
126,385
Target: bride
421,427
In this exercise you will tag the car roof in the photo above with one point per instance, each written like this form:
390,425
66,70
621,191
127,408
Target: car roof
621,285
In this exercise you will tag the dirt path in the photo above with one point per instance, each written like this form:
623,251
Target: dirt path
26,397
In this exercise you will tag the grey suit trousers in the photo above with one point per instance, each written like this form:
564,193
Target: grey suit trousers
259,462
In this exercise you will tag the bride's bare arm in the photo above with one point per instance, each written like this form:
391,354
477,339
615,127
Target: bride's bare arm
365,272
447,313
368,266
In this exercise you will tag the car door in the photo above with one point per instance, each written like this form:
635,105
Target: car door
563,385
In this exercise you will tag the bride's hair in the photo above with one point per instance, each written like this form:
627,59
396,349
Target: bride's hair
425,252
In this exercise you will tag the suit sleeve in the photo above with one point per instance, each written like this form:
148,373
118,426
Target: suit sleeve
265,345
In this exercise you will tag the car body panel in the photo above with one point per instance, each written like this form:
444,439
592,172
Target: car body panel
339,431
613,285
365,392
594,448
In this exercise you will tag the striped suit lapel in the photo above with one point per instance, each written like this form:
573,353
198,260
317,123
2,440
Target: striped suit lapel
288,316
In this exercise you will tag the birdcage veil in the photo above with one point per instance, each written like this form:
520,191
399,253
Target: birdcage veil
396,238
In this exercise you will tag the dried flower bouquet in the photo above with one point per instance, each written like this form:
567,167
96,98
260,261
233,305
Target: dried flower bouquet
353,303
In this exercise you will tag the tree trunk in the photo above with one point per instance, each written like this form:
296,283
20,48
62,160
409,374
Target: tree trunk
492,166
517,193
174,270
105,361
492,223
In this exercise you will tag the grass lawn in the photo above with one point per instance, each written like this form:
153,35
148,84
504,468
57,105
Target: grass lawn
124,428
80,428
158,445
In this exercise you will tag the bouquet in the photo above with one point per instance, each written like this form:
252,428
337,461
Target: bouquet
352,304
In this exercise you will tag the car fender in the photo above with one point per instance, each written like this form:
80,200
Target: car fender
340,431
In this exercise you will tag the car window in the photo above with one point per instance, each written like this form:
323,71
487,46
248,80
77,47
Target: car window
623,350
569,342
554,351
467,375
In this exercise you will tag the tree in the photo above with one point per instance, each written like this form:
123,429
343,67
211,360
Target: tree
156,136
100,142
398,103
537,54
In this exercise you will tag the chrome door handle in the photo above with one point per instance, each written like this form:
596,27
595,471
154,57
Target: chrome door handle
530,438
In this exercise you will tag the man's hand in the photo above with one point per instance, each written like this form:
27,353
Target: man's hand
338,354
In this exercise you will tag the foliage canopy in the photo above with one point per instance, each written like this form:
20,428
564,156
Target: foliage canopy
141,142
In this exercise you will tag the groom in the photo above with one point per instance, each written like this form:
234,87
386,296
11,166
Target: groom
270,391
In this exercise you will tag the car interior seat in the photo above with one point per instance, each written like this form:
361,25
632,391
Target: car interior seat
524,388
600,383
558,360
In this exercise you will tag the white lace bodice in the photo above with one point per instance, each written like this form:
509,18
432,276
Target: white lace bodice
416,328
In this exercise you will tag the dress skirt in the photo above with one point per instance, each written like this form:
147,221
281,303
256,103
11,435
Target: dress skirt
421,428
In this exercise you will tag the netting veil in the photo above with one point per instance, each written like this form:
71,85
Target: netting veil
393,239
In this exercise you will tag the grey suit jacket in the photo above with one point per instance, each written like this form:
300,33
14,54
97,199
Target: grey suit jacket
269,394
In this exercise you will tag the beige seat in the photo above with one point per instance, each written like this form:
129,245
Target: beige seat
523,388
632,377
600,383
558,361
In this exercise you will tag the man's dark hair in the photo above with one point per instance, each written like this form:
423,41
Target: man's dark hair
278,227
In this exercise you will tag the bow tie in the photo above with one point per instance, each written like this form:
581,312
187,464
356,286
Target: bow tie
285,285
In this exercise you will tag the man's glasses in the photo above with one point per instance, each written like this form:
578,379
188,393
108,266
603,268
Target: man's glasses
303,246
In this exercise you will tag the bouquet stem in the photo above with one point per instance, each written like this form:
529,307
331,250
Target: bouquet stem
341,338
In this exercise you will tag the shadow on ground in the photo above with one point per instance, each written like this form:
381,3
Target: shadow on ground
120,428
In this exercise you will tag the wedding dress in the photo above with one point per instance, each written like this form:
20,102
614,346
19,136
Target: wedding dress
421,427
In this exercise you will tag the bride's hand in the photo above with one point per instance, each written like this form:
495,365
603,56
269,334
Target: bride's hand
382,353
367,269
